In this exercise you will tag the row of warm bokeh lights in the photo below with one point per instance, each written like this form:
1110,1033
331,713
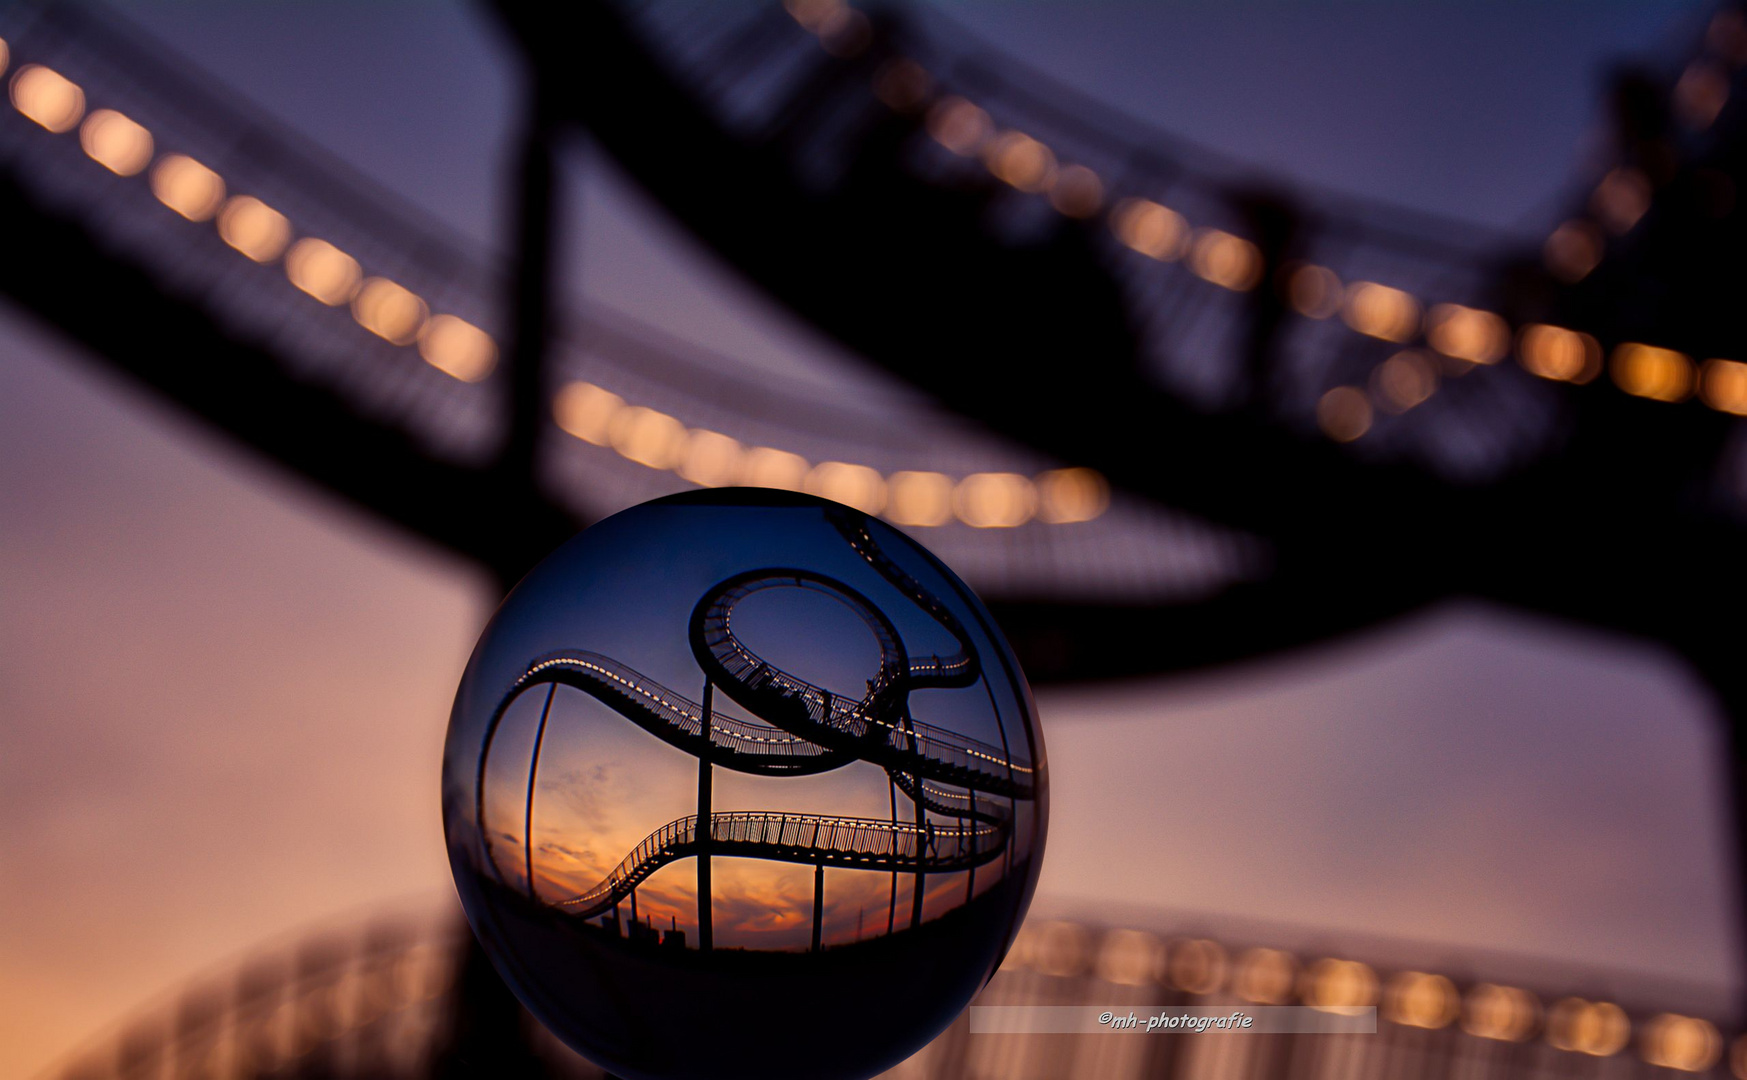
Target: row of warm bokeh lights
258,231
1417,999
1456,338
1624,195
711,459
397,315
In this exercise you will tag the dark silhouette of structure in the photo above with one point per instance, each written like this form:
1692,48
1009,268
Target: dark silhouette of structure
969,783
393,1001
546,891
1399,410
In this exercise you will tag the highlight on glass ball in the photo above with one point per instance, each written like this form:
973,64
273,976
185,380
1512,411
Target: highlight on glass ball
743,782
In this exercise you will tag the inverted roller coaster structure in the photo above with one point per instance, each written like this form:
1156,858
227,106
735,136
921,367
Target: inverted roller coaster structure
970,785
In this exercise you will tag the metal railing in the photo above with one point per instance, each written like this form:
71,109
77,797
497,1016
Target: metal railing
815,839
670,709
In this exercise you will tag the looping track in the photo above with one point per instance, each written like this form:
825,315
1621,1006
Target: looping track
810,730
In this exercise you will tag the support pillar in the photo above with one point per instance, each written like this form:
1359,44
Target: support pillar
818,904
706,931
533,776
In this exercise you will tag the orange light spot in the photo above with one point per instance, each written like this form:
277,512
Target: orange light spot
1071,495
1381,312
1314,291
995,500
1153,230
1344,413
323,271
1479,337
457,348
919,498
1650,372
116,142
1572,251
959,126
48,97
187,187
1621,199
1020,160
1078,192
254,228
586,411
1228,261
391,311
1553,352
1404,380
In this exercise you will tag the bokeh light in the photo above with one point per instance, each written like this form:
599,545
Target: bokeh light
1381,311
1573,250
1197,965
1686,1043
1651,372
1228,261
1021,161
902,84
1553,352
1480,337
851,485
995,500
1338,986
711,458
1265,977
390,310
586,411
1403,381
187,187
48,97
456,347
648,437
1065,496
1597,1028
919,498
959,125
1723,386
323,271
1344,413
1078,192
1621,199
1149,228
254,228
116,142
1129,957
1503,1013
1417,999
768,467
1314,291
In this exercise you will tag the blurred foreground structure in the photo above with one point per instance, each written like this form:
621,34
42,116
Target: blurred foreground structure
393,1001
1384,410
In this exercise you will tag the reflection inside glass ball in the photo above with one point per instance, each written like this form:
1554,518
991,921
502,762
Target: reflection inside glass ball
744,782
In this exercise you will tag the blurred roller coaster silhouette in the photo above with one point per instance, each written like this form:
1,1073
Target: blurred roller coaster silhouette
1166,400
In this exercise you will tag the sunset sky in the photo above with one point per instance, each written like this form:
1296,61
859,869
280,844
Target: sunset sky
623,595
225,695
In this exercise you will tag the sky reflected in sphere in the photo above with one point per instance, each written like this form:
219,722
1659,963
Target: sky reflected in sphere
744,783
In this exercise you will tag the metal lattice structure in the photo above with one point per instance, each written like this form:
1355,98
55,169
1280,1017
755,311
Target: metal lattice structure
382,1002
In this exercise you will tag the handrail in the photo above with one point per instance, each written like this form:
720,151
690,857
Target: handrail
820,839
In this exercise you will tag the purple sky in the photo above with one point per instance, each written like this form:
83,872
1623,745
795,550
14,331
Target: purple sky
224,695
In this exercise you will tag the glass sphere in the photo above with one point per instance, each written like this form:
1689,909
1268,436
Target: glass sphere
744,783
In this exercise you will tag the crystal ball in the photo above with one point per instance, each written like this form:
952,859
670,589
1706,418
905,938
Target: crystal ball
744,783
